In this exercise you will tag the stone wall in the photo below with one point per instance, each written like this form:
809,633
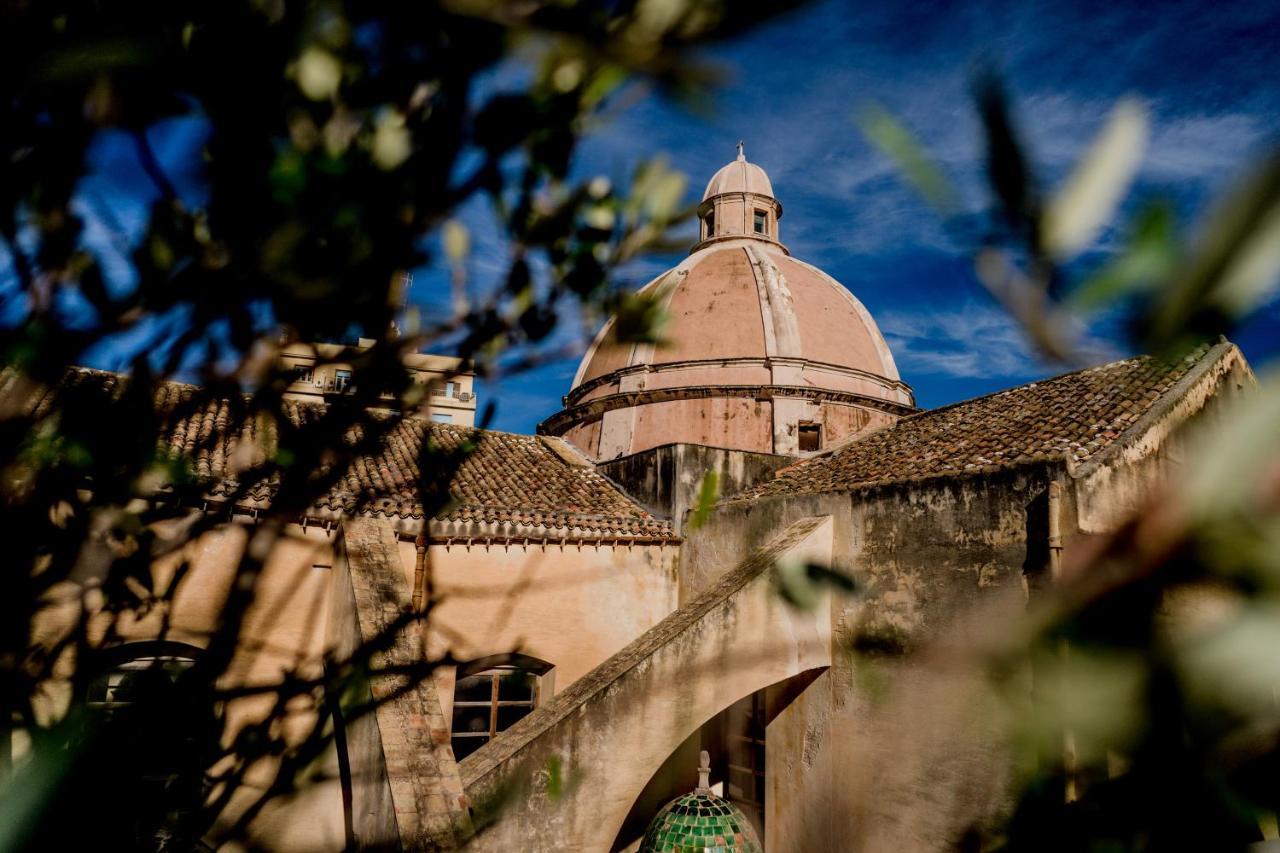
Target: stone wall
411,759
900,745
1138,466
889,750
667,480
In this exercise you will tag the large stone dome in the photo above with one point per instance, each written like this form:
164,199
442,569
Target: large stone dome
761,351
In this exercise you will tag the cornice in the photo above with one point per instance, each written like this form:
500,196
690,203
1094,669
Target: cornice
558,423
577,393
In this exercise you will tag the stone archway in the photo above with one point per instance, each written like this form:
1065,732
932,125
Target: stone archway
678,774
565,777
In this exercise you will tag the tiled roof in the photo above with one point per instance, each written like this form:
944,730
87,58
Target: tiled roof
508,479
1070,417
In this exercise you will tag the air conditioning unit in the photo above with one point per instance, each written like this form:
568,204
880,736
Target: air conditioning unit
465,396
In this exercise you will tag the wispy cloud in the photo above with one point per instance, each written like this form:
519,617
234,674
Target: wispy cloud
973,340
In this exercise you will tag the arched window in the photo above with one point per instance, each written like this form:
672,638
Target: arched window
136,671
492,694
153,733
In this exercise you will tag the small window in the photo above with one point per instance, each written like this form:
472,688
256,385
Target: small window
492,701
810,436
451,389
302,373
341,380
442,417
761,221
710,221
136,680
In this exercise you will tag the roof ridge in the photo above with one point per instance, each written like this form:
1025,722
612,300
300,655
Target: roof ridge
1213,353
1056,418
922,413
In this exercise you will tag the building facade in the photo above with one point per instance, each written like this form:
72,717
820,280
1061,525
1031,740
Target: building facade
321,370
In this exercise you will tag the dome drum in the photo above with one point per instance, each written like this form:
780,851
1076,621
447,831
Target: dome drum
733,216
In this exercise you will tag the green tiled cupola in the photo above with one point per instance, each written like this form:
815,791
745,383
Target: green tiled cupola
700,822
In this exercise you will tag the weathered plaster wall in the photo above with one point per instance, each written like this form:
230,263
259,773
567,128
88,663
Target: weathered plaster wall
734,531
840,423
571,605
888,750
667,480
716,421
604,737
283,630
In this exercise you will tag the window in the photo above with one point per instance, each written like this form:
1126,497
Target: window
135,680
744,756
449,389
341,380
493,700
158,728
710,221
761,221
442,418
810,435
302,373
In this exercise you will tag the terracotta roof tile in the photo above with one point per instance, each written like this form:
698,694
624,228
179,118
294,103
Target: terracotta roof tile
507,478
1069,417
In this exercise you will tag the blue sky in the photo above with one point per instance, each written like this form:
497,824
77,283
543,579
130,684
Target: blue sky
1205,71
792,89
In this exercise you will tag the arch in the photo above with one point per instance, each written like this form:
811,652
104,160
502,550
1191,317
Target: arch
603,738
114,658
658,791
517,660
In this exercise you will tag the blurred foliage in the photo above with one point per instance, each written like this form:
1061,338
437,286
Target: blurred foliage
338,141
1154,723
802,583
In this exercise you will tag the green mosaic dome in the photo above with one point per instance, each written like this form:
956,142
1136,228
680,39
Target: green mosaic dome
700,822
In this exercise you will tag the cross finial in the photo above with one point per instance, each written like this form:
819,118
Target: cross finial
741,156
704,772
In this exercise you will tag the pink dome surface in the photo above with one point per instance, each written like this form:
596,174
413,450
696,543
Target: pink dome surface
715,311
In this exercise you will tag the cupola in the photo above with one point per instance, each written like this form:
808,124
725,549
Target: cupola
739,203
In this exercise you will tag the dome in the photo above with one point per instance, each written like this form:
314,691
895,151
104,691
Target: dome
743,301
760,351
700,822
